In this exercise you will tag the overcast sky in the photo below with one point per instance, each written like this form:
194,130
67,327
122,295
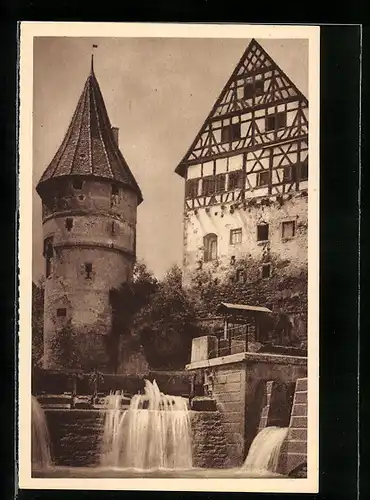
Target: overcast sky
158,92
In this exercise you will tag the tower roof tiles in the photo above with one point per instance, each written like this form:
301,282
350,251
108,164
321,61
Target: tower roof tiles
89,147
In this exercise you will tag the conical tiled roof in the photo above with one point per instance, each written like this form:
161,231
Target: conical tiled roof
89,148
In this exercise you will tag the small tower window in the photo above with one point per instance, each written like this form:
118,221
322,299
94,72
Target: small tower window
115,190
263,178
262,232
88,270
113,227
77,184
61,312
266,270
69,223
210,247
235,236
48,254
288,229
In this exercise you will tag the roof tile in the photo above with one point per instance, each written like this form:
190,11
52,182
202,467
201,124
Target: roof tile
89,147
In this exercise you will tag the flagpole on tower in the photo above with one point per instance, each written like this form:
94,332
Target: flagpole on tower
92,57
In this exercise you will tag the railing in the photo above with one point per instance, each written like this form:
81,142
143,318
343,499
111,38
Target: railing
235,341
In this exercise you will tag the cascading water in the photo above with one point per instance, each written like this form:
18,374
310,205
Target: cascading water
154,433
264,452
112,424
40,443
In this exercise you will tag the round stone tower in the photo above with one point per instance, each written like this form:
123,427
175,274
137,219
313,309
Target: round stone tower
89,200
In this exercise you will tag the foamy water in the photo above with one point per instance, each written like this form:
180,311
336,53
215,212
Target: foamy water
40,444
265,450
154,433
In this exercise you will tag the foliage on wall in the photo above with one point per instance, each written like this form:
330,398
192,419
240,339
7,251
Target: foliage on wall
157,316
168,324
37,322
284,291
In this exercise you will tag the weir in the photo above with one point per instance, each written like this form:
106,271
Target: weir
264,452
154,433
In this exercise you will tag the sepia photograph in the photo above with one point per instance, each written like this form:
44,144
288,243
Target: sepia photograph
169,269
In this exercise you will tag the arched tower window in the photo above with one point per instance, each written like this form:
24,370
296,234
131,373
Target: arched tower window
210,247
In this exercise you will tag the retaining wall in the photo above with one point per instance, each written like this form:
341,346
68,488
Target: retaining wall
75,437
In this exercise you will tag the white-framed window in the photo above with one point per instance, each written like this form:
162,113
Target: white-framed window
236,236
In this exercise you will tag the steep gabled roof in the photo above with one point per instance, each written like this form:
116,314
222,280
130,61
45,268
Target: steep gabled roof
89,148
254,60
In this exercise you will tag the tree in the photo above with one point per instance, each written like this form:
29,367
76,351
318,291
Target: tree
126,302
37,322
167,324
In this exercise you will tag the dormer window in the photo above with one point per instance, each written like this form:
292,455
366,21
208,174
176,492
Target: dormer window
253,89
276,121
231,133
77,184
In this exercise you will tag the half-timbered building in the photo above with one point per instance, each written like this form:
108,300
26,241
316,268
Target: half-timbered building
246,176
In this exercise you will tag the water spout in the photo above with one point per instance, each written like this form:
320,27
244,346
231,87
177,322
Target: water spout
264,452
154,433
40,444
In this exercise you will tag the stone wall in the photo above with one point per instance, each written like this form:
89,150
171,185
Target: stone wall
228,389
220,221
76,438
209,437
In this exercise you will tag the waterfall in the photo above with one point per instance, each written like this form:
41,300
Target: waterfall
40,443
154,433
264,452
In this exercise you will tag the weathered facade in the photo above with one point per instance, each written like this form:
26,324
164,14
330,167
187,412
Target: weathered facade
89,199
246,184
